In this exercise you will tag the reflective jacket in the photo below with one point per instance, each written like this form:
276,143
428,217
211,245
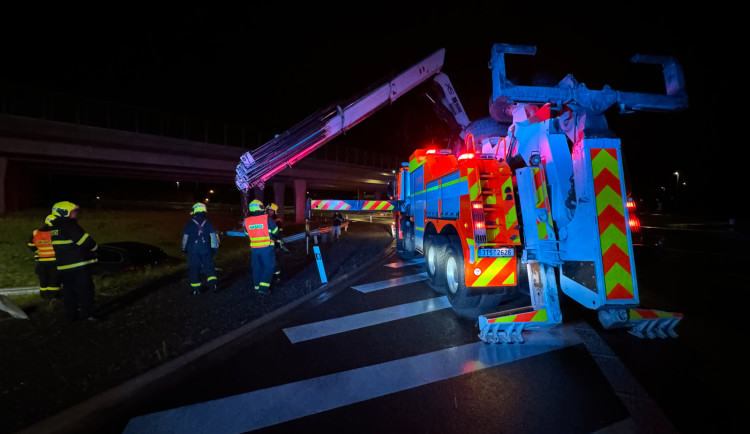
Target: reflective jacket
73,246
261,229
41,244
199,234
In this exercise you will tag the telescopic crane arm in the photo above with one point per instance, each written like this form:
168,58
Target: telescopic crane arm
318,129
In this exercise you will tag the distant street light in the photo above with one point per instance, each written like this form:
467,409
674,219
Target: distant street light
677,181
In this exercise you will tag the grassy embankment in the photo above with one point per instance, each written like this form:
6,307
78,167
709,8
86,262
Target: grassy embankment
159,228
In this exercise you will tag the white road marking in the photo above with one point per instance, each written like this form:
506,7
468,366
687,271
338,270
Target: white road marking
376,286
405,263
328,327
274,405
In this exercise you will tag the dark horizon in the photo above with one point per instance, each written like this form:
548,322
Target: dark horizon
271,69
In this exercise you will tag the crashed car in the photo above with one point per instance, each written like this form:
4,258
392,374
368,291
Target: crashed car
126,256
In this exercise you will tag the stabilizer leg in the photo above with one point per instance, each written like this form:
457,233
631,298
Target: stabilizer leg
642,323
507,326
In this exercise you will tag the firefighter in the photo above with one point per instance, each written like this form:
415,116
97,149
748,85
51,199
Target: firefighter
262,231
40,243
75,251
271,209
200,242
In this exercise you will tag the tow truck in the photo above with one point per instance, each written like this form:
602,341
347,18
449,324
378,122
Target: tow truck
532,204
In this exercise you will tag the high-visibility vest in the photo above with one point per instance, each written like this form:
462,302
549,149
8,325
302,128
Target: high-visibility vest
43,242
257,229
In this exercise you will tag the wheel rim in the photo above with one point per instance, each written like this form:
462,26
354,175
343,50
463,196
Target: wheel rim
451,274
431,265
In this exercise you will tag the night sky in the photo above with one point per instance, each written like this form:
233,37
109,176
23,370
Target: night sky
269,67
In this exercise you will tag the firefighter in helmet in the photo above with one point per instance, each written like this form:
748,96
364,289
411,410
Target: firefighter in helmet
200,242
262,231
75,251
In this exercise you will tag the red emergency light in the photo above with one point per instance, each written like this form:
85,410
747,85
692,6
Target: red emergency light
466,156
635,224
633,221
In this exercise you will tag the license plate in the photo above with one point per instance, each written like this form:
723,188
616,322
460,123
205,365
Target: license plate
503,252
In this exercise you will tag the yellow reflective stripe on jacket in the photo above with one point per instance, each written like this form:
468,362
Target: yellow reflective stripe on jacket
63,242
76,265
83,238
46,259
260,242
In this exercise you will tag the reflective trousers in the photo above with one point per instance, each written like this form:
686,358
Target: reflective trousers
201,263
263,263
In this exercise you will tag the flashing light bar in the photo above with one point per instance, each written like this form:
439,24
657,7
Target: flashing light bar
467,156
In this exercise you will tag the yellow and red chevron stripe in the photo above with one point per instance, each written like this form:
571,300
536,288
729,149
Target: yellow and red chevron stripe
377,205
329,204
533,316
511,218
618,278
475,186
495,272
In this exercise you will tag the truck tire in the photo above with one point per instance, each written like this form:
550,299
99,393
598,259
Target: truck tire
464,304
407,244
458,294
434,259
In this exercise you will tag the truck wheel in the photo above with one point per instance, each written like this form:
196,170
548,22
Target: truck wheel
407,251
463,304
454,277
434,258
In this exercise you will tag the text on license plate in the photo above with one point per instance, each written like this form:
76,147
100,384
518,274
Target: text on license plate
503,252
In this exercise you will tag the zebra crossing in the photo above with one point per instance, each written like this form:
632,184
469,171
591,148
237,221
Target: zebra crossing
286,402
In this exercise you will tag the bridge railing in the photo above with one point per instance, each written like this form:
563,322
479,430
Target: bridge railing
19,100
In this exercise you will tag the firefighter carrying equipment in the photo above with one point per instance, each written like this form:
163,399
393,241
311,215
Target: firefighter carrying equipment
262,232
63,209
198,207
255,205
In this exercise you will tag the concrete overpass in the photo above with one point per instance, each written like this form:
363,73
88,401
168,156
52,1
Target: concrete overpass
31,147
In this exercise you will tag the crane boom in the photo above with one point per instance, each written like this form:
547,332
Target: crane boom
318,129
